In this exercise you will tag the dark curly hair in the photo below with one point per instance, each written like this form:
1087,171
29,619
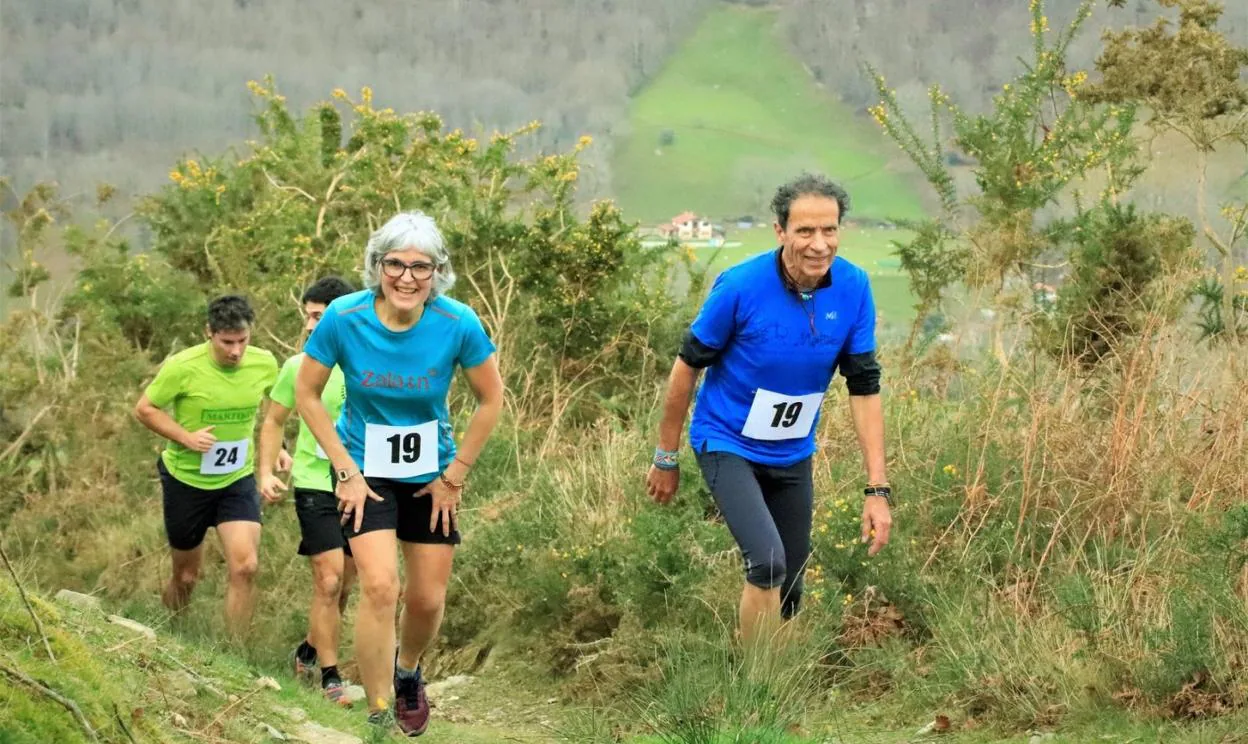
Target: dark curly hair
807,184
230,313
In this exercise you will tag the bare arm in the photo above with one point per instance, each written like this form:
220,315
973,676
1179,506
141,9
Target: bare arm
309,385
680,384
662,484
163,424
271,486
487,385
271,438
867,412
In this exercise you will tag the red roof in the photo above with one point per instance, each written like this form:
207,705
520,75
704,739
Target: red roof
684,217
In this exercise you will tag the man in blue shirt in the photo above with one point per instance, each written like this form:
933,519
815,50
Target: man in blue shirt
771,333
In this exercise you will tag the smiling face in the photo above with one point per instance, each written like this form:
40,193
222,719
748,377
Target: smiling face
406,279
810,239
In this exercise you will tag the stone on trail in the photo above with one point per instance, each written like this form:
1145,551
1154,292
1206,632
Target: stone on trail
354,694
132,626
298,715
77,599
438,689
314,733
268,682
272,732
179,684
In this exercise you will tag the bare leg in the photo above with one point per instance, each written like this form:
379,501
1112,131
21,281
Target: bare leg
240,540
760,613
323,616
186,565
428,573
378,567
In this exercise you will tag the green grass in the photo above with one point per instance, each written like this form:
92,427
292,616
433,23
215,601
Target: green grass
746,116
128,686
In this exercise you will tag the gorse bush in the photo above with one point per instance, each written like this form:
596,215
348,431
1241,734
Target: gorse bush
1052,167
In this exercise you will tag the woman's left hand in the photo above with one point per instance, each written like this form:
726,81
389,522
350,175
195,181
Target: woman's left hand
445,505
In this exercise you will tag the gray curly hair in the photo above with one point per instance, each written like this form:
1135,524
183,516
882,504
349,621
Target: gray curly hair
405,230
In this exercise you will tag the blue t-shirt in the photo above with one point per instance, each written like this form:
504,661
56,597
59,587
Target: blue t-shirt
397,378
760,399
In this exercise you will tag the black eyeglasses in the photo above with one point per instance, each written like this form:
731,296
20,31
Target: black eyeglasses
394,268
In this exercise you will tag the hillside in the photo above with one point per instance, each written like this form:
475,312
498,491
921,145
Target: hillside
732,115
99,90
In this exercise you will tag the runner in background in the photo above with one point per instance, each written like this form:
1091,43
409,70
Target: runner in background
323,541
204,401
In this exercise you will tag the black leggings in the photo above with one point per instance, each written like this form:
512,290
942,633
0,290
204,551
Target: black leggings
768,510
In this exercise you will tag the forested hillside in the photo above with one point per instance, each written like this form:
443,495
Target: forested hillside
969,46
114,90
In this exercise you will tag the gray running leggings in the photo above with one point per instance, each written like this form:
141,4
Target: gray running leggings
768,511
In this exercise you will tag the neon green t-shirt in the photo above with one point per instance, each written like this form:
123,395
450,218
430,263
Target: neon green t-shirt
311,468
203,393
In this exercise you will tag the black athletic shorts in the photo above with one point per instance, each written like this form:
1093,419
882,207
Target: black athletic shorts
400,510
190,511
320,522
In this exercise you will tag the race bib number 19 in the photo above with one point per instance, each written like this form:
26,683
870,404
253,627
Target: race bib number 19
400,451
775,416
224,458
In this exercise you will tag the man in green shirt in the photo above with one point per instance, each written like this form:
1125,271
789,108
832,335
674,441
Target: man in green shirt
214,391
315,503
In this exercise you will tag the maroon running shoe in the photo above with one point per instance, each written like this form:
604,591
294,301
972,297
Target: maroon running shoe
411,707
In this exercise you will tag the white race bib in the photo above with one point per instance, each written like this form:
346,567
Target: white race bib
774,416
224,458
400,451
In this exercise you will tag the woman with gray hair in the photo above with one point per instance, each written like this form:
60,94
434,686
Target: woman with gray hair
397,472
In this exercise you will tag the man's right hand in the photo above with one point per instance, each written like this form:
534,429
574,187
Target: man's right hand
271,488
662,484
200,441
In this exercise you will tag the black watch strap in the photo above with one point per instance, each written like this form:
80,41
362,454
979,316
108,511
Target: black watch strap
883,491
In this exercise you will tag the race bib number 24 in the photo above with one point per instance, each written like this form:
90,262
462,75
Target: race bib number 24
775,416
224,458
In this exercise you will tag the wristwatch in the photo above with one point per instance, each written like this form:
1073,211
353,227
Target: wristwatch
346,475
883,491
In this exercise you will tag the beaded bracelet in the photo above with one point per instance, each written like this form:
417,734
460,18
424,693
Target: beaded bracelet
666,459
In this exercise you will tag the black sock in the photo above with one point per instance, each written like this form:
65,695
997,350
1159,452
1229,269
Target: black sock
306,653
329,674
